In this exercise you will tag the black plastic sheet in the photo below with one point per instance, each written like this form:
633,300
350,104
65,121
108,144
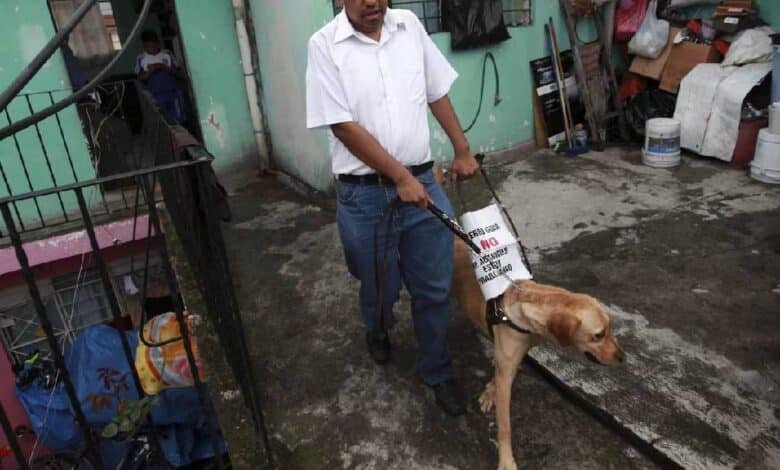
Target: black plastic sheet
474,23
648,105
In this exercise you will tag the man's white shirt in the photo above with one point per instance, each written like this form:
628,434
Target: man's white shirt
383,86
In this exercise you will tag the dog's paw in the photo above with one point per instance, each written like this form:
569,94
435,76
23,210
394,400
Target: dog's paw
488,398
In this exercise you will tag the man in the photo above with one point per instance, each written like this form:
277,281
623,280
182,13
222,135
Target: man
156,67
372,73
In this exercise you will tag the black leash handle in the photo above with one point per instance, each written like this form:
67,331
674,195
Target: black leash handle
453,226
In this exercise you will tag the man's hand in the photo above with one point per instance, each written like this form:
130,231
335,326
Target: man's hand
464,166
412,191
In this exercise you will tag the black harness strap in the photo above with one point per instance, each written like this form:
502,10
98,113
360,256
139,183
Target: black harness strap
495,315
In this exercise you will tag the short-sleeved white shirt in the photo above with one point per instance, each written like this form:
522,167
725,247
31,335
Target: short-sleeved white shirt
144,60
384,86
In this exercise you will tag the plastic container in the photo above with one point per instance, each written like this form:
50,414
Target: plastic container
662,143
745,149
766,165
774,117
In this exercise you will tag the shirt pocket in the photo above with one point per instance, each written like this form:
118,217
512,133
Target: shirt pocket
411,78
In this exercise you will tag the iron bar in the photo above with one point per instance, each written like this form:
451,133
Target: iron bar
46,158
108,287
46,325
107,179
185,334
10,436
245,368
24,168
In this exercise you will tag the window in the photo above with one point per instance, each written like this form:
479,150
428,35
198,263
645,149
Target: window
516,12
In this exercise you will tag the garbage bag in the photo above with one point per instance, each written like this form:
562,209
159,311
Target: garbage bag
652,37
648,105
51,416
474,23
628,18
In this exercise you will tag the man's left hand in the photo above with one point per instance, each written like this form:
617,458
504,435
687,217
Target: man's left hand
464,166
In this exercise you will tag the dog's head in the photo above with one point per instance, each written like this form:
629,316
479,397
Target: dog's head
587,329
576,320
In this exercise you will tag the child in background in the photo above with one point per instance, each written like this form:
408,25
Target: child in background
156,67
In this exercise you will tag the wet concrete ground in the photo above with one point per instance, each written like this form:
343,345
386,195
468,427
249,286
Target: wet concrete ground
687,261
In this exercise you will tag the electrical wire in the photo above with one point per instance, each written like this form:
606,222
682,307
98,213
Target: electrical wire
496,100
43,56
86,89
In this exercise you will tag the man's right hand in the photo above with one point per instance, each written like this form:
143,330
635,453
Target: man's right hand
410,190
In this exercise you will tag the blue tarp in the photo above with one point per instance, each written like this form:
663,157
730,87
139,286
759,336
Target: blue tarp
102,378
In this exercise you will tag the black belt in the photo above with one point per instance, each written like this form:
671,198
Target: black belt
375,179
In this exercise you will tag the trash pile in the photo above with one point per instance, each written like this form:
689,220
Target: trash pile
697,76
711,74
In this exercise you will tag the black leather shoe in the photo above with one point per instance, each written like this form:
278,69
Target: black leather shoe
450,397
378,344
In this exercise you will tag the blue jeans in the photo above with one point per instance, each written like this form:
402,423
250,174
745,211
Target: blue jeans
420,255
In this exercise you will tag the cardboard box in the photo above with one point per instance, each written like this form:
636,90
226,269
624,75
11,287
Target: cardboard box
654,68
684,58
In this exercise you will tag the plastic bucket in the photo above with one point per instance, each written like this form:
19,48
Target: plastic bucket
774,117
662,143
766,164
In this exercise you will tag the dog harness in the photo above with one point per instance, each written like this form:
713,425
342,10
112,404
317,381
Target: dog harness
495,315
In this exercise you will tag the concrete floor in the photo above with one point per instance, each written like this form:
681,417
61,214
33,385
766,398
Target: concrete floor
686,260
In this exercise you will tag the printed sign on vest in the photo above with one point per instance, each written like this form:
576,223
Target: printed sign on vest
500,262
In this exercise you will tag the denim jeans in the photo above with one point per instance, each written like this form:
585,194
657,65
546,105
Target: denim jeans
420,255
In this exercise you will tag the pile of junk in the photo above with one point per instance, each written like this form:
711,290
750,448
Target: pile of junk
138,407
676,75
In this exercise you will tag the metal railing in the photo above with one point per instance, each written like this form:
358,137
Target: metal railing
184,182
47,155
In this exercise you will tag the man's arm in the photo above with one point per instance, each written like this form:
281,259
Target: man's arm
464,165
366,148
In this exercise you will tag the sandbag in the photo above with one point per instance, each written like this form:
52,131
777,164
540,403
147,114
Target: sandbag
652,37
628,18
474,23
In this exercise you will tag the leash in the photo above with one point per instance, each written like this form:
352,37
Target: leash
494,313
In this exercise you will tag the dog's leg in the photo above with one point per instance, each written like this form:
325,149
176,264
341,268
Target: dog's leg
509,351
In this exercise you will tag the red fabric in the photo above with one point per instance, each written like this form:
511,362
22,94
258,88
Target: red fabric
629,17
632,85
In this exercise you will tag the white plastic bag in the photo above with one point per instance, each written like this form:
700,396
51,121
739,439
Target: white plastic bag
650,41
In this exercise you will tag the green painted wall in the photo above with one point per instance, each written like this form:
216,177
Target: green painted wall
283,29
770,11
213,58
25,26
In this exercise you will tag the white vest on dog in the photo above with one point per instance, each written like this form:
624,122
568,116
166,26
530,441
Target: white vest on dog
499,263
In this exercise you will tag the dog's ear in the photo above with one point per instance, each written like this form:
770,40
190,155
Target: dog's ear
563,327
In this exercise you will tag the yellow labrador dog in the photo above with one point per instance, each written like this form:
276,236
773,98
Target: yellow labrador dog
543,313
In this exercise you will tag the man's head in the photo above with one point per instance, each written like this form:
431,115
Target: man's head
150,41
366,16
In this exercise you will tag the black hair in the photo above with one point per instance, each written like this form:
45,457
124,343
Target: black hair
149,36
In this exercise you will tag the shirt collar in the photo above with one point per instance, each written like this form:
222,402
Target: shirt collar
344,28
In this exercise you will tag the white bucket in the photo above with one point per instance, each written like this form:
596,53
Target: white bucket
766,165
774,118
662,143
